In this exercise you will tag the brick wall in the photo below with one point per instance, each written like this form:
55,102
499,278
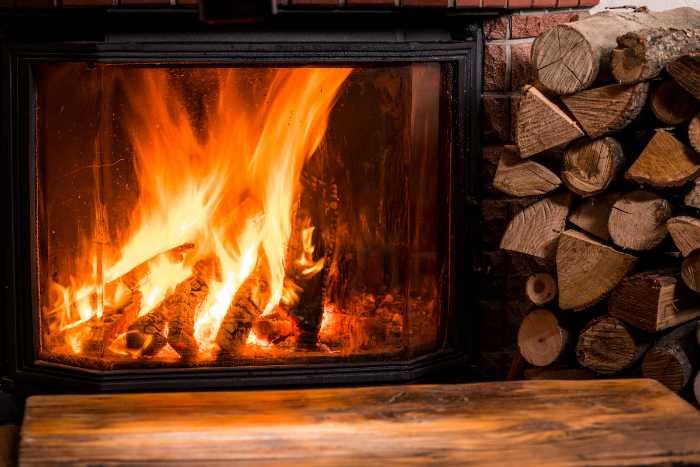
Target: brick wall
507,68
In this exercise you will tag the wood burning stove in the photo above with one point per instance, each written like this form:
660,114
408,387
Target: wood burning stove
274,204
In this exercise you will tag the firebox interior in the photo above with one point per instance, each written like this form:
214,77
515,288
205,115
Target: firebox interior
228,216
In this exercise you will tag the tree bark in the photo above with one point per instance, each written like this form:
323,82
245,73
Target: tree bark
607,346
541,339
587,270
686,72
590,166
652,301
607,109
642,55
570,57
517,177
541,125
672,359
665,162
535,230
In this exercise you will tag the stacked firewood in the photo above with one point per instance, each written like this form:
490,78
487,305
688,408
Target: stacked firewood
609,144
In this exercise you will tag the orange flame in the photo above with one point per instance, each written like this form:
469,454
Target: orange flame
225,181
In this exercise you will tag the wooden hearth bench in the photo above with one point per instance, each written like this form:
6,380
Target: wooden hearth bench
539,423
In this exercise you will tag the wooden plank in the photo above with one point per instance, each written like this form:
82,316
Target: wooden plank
610,422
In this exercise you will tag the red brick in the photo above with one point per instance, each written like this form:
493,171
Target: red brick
522,26
425,3
468,3
496,28
515,4
495,3
87,3
370,3
495,68
496,121
588,3
544,3
567,3
315,3
521,70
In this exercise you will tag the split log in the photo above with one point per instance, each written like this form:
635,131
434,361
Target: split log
685,232
590,166
665,162
541,125
117,321
592,214
692,199
587,270
607,346
672,359
686,72
696,388
652,302
642,55
541,288
541,339
672,104
690,271
638,220
694,133
609,108
518,177
569,57
535,230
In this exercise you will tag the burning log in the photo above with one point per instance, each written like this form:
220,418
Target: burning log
134,276
245,307
275,327
117,321
147,334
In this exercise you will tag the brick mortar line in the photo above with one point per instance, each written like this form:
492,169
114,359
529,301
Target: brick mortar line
524,40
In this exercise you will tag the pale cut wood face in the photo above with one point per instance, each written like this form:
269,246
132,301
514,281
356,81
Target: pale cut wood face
538,423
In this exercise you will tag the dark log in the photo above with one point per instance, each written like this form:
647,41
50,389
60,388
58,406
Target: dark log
592,214
607,346
672,104
686,72
672,359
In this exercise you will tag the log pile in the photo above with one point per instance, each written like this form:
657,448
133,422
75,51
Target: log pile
614,225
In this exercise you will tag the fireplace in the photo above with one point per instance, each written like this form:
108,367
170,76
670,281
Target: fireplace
265,205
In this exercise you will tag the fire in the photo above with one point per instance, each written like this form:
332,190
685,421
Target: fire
217,191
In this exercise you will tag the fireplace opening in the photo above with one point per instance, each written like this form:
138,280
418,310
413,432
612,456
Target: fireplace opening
232,216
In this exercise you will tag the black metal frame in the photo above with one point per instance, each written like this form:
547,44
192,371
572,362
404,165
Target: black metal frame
456,42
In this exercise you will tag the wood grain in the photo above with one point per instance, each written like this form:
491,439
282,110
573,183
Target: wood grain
538,423
665,162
